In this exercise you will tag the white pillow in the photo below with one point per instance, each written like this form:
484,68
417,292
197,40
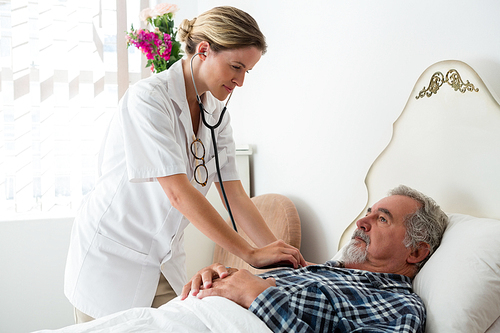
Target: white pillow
460,284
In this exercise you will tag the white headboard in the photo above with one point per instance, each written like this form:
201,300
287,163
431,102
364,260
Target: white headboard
446,144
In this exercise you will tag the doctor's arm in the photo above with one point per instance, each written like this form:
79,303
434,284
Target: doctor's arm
196,208
246,213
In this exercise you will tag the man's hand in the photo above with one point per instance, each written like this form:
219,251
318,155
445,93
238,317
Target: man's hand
204,277
241,287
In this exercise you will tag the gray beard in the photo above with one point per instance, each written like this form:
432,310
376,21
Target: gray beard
352,253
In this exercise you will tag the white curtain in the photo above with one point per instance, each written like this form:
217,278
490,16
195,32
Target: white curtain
64,66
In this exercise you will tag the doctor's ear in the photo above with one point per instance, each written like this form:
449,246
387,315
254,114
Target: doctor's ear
203,48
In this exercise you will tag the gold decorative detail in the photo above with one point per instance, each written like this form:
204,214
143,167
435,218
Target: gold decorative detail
437,81
452,78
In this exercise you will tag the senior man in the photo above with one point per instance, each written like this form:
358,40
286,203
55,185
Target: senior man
367,290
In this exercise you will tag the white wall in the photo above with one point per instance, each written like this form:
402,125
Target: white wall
319,106
32,260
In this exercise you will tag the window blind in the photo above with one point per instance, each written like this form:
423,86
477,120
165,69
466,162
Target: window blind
64,66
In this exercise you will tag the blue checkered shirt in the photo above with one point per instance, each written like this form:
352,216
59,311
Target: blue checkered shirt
329,298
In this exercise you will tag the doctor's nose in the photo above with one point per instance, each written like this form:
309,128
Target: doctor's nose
238,80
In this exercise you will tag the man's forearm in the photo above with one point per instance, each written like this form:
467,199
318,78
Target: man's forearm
278,310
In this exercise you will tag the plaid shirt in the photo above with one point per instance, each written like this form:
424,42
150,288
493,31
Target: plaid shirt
327,298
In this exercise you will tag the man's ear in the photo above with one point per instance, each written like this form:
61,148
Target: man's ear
419,254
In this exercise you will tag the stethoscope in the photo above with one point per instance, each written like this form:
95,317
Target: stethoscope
212,131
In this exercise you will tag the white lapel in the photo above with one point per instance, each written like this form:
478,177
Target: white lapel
178,96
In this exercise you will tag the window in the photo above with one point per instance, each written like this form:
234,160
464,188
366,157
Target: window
64,66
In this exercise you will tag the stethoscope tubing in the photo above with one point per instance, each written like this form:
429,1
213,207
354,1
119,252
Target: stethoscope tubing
214,142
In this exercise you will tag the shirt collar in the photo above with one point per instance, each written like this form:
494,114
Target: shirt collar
176,85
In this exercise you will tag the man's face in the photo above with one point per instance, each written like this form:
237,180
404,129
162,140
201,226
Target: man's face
377,243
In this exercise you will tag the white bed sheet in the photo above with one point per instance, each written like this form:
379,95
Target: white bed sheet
211,314
495,327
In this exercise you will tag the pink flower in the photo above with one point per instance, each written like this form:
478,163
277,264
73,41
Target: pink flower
146,13
165,8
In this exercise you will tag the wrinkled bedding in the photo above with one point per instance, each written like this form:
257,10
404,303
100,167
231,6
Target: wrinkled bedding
211,314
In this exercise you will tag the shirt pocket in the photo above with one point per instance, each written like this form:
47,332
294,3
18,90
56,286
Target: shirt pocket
116,251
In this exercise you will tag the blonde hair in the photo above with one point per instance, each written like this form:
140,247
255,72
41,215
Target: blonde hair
224,28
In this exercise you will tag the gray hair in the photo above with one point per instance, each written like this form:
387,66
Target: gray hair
427,224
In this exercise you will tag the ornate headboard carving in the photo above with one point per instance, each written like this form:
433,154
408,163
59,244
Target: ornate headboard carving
452,78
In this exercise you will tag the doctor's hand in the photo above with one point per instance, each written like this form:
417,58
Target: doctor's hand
279,253
204,278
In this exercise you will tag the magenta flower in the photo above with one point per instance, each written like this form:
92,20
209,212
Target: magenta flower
159,46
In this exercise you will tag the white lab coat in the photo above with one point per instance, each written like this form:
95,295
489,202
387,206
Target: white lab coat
126,229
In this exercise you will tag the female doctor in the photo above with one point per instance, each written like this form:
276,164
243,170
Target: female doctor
126,246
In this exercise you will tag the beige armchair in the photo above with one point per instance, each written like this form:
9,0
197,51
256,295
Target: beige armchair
281,216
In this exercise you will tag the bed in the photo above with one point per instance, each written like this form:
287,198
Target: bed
445,143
